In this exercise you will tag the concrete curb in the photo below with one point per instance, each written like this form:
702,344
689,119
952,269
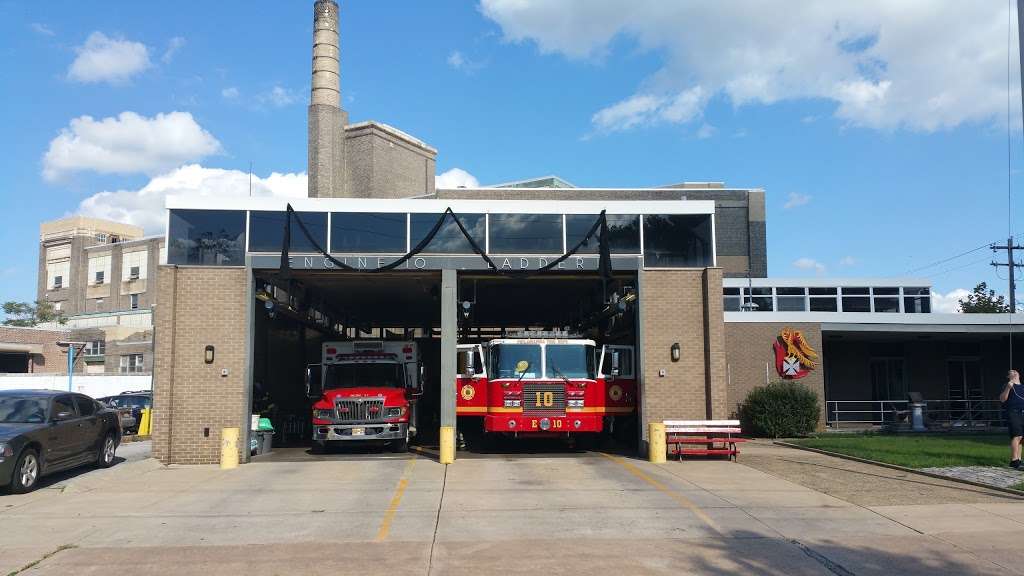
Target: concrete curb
1017,493
128,439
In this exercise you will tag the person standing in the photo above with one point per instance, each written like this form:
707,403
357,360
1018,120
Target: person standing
1012,398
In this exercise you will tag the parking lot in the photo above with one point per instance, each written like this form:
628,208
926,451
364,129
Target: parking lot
513,514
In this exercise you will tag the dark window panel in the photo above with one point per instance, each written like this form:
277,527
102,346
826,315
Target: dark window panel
763,304
855,291
731,291
758,291
266,231
917,304
886,291
823,291
678,241
731,303
916,291
623,233
856,304
207,237
783,291
449,239
368,233
887,304
791,304
526,234
824,305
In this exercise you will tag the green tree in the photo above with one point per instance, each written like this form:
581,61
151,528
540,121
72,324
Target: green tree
25,314
983,300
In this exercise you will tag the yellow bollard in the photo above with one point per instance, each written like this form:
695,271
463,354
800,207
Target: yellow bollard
657,450
145,421
228,448
447,444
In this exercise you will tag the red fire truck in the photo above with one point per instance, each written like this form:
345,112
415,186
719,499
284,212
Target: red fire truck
365,391
545,383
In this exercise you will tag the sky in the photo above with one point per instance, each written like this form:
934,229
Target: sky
878,130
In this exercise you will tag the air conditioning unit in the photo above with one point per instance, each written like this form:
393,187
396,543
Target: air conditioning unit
58,282
133,273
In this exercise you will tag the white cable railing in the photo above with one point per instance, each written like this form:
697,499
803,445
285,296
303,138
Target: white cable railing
896,413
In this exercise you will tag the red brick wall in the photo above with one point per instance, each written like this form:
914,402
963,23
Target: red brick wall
53,359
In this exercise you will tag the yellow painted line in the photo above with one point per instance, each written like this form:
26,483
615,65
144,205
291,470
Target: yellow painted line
684,501
385,523
471,410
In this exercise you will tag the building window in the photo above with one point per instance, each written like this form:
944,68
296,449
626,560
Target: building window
99,268
887,379
133,300
368,233
58,282
449,239
101,238
917,300
266,231
57,306
100,277
525,233
791,299
95,348
731,299
856,300
678,241
207,237
131,364
623,233
760,298
134,265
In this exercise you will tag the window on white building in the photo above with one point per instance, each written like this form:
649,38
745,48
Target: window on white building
133,299
99,268
95,348
133,265
57,274
131,363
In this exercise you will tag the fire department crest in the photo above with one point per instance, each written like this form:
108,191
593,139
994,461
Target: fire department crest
615,392
467,392
794,357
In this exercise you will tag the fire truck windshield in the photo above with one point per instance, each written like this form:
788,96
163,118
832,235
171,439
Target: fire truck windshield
504,358
570,361
353,375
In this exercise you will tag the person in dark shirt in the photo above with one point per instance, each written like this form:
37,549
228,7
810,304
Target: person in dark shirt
1012,398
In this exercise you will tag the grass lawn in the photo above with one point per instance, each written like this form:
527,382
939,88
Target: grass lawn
917,450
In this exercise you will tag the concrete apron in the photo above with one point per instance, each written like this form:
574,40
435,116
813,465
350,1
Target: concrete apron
497,515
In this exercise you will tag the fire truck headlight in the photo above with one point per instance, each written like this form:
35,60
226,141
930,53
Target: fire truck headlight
576,403
396,412
509,403
324,414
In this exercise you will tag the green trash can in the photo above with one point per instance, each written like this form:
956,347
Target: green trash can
265,436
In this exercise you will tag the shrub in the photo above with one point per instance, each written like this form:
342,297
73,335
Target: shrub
780,409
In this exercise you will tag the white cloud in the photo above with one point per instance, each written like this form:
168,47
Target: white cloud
796,199
809,264
104,59
459,61
42,29
648,109
881,63
145,206
706,131
129,143
229,93
175,44
847,261
456,178
948,302
278,96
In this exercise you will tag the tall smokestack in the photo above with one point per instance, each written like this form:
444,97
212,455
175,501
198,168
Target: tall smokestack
326,118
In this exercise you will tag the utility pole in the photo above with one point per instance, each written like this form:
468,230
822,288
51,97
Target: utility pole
1011,265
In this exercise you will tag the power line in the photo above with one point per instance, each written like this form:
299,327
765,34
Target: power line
954,269
944,260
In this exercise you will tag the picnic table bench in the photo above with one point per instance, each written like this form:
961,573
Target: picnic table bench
703,437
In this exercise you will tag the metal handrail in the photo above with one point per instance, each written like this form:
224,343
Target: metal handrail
970,413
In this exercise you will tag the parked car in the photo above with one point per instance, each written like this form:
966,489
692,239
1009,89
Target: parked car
129,405
45,431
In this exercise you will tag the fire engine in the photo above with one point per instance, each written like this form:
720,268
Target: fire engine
365,391
545,383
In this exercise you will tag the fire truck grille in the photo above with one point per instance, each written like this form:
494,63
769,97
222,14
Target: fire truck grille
547,398
368,410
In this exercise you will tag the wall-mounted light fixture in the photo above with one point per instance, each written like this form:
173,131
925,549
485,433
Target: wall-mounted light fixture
208,354
675,352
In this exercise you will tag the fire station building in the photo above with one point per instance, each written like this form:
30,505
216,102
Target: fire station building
251,288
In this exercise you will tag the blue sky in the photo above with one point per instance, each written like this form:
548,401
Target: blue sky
881,144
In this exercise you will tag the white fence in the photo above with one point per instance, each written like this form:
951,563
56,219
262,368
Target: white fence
95,385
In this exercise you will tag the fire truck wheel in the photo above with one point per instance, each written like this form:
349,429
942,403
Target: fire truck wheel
400,445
